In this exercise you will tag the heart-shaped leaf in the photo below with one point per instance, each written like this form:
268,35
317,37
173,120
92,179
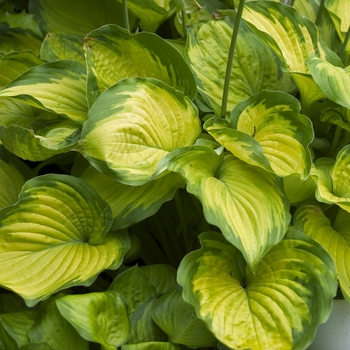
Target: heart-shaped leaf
124,52
333,179
98,317
267,130
56,236
255,67
128,139
245,202
58,87
268,309
333,236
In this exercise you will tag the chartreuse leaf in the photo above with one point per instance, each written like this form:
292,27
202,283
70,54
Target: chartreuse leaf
11,182
129,204
267,130
17,325
299,191
56,236
268,309
179,321
333,236
52,328
128,139
143,328
134,286
42,140
151,12
255,67
16,63
333,81
58,87
340,14
151,346
98,317
244,201
333,179
113,54
293,38
62,46
79,18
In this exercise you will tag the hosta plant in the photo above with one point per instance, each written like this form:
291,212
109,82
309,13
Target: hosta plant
173,174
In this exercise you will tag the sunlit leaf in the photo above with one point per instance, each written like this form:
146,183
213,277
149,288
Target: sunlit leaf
52,328
340,13
333,236
62,46
244,201
267,130
268,309
333,81
179,321
98,317
58,87
56,236
333,179
255,67
114,54
128,139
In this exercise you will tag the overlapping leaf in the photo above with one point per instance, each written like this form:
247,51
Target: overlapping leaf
98,317
255,67
114,54
56,236
333,81
340,13
333,236
245,202
268,309
333,179
58,87
129,138
130,204
267,130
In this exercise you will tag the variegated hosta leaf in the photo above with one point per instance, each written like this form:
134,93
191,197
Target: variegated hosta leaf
114,54
58,87
42,140
15,64
151,12
179,321
333,179
11,182
255,67
292,36
299,191
16,112
56,236
277,307
333,81
130,204
340,13
17,39
98,317
333,236
267,130
52,328
129,138
80,17
62,46
245,202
